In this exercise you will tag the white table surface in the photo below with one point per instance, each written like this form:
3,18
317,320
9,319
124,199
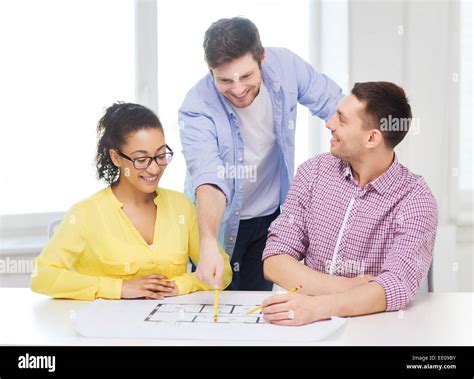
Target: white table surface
444,319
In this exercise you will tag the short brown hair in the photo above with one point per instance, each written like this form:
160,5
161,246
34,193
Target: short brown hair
387,108
231,38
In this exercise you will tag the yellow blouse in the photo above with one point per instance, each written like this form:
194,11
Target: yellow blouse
96,247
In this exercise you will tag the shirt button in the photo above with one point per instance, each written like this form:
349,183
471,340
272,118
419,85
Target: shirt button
237,213
240,187
231,238
241,159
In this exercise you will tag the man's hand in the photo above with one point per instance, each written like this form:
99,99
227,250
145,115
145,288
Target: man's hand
210,267
293,309
210,203
152,287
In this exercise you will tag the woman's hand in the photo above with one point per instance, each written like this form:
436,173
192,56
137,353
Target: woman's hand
152,287
172,289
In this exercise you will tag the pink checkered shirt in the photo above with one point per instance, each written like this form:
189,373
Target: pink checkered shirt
388,229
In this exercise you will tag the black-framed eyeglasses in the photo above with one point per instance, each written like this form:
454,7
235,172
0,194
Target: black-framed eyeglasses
143,163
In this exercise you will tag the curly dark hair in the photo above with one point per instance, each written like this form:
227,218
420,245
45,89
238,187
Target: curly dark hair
118,122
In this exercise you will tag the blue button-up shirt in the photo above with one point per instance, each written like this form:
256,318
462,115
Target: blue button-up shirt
212,142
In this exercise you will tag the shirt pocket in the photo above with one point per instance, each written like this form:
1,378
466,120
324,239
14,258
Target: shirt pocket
119,268
175,265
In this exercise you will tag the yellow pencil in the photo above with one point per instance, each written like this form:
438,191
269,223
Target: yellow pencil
260,306
216,303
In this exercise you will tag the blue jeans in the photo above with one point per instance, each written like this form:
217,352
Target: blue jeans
246,262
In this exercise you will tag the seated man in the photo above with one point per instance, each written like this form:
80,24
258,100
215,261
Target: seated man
364,225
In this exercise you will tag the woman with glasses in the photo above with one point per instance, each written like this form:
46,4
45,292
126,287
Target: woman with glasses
132,239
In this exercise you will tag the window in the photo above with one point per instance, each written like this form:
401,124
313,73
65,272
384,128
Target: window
75,58
63,62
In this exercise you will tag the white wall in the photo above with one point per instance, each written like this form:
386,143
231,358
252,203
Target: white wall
415,44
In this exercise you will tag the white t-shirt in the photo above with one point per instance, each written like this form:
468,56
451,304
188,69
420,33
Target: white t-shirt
262,179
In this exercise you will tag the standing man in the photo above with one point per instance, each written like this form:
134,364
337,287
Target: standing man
237,128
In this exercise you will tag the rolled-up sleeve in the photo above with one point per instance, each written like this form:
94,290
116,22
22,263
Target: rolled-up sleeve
288,233
410,257
200,146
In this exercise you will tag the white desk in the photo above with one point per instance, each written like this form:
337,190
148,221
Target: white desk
444,319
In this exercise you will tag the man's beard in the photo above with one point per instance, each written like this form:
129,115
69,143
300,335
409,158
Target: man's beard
252,93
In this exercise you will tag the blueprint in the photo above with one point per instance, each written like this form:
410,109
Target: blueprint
191,318
228,313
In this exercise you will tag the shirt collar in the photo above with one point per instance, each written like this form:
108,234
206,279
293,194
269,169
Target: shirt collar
270,78
383,183
117,203
346,170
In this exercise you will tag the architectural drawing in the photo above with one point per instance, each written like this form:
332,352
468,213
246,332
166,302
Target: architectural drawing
191,317
204,313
